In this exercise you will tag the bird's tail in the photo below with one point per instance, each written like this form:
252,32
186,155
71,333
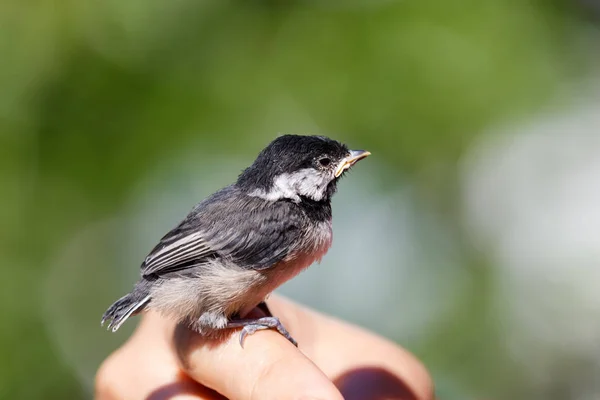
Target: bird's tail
122,309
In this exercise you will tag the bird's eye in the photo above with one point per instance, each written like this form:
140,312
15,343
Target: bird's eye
324,161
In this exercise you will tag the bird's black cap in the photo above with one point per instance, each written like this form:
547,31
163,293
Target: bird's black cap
291,153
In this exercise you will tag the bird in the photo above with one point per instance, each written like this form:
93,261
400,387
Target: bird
239,244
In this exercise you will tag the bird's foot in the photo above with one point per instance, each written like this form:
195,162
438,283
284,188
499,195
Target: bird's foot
251,326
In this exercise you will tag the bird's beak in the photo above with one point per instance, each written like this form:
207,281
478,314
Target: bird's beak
353,158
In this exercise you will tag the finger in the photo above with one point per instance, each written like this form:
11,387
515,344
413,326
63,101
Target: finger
347,353
146,368
267,368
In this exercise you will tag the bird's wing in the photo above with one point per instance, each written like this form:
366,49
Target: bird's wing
175,252
246,230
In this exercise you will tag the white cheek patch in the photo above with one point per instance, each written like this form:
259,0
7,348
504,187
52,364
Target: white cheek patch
307,182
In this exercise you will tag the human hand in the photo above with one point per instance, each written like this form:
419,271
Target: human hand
335,361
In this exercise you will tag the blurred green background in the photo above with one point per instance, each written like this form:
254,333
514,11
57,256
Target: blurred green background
478,207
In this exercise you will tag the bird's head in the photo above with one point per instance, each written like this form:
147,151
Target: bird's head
295,167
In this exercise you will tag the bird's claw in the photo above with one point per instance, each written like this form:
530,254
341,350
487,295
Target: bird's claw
252,326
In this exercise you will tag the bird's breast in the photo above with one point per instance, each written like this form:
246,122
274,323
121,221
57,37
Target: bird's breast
317,240
313,245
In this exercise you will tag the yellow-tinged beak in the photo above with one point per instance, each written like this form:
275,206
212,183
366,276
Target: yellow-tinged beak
353,158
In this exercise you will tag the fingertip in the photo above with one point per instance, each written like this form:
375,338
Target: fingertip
293,378
268,367
424,386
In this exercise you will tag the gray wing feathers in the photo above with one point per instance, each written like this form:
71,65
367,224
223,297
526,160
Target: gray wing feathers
167,258
256,243
247,230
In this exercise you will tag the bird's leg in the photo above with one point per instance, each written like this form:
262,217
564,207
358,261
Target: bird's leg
251,326
264,308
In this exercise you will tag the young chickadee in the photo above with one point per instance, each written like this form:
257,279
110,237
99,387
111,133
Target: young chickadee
241,243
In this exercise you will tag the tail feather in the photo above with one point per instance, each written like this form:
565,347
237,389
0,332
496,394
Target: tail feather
122,309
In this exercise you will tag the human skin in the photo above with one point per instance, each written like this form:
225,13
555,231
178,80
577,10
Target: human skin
334,361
